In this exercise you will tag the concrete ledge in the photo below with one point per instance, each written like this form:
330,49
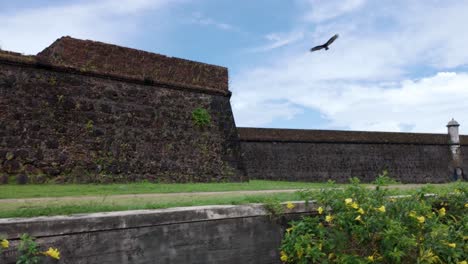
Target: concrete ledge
79,223
196,235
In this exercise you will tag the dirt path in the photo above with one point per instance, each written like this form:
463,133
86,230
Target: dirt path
175,195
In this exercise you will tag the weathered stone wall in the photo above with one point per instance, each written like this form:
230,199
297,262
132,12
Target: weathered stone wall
320,155
205,235
464,166
103,58
62,123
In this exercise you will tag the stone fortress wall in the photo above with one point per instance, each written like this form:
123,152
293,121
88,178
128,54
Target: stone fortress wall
86,111
322,155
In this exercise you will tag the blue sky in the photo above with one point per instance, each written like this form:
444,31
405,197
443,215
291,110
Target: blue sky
399,65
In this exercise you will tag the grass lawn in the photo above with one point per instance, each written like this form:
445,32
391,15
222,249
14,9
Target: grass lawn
73,199
107,204
9,191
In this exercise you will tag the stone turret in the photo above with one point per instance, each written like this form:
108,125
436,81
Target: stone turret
455,149
452,127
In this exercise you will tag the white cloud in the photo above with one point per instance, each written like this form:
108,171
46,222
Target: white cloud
322,10
278,40
436,32
200,19
423,105
371,78
31,30
265,112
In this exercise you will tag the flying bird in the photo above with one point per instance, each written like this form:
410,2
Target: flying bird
325,46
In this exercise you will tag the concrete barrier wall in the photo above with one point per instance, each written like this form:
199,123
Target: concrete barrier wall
207,234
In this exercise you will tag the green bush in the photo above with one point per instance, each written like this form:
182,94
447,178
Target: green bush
384,179
359,225
201,117
28,250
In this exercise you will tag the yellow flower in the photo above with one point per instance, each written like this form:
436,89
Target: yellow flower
442,211
360,210
289,230
320,210
462,262
348,200
358,218
381,209
329,218
412,214
370,258
290,205
354,205
421,219
284,257
4,243
452,245
466,205
53,253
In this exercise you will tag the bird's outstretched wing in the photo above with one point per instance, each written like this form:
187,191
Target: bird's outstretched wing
330,41
325,46
317,48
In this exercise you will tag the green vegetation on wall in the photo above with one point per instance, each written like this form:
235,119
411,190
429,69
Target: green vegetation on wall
201,117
